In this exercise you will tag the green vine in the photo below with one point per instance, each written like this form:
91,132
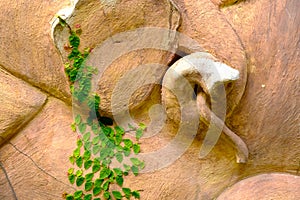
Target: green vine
100,142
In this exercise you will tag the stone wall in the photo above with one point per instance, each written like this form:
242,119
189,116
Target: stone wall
36,112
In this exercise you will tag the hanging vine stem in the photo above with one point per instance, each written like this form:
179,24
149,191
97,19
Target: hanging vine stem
99,142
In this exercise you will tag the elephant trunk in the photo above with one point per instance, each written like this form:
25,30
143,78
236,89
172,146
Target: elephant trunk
203,70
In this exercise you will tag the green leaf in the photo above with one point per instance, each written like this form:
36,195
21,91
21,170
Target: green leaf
79,143
76,152
97,199
119,157
79,162
138,133
136,194
119,148
106,152
73,127
96,149
97,190
97,101
104,173
136,148
88,197
70,170
72,159
128,143
98,182
106,185
126,151
79,181
118,171
107,130
69,197
142,126
106,162
125,173
88,164
135,170
79,173
106,195
78,194
127,192
72,178
117,194
119,130
118,138
120,180
82,127
77,119
89,176
86,155
96,140
87,145
135,161
126,167
95,127
142,165
88,186
74,40
86,136
96,167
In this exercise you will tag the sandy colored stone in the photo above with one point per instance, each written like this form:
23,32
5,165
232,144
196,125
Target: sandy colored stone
222,3
267,117
20,102
36,160
102,22
4,185
26,48
270,186
205,23
269,114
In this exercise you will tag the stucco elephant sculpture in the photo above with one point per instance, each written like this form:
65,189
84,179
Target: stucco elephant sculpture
210,32
207,76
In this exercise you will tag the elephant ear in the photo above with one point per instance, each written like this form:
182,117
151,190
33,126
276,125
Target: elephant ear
201,69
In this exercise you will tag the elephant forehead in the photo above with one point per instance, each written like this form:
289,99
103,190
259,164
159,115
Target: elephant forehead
211,71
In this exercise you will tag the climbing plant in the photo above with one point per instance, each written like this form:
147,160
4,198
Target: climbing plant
99,142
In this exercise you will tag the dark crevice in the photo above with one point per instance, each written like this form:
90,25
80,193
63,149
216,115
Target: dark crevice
35,164
8,180
178,55
195,92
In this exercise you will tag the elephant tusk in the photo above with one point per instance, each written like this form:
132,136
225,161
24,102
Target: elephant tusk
204,70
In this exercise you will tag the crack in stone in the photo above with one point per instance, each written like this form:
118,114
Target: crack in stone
8,180
40,89
41,169
23,126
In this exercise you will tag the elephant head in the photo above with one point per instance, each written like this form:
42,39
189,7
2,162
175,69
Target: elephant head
202,70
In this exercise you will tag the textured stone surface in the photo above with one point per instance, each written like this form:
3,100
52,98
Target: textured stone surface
272,186
37,158
19,104
100,21
26,48
222,3
206,24
269,114
35,161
